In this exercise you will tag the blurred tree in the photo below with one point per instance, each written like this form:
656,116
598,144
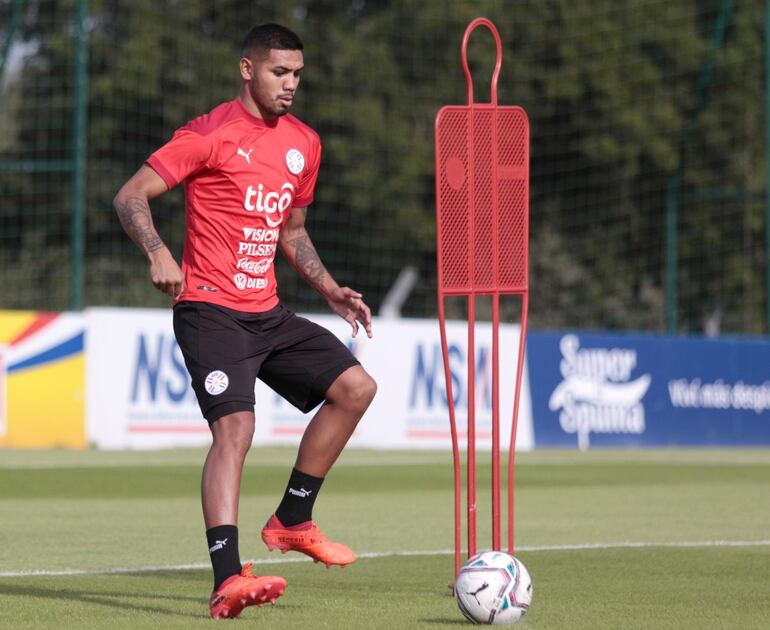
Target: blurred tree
609,85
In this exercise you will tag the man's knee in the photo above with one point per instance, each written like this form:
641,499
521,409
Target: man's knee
235,430
366,390
354,389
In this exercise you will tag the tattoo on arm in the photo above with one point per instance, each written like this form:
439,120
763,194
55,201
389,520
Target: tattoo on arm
307,261
136,219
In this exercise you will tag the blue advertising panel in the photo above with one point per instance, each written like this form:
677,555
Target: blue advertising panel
601,390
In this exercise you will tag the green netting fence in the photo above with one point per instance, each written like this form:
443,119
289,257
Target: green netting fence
649,146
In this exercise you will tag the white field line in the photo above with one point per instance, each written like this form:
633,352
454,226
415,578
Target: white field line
154,568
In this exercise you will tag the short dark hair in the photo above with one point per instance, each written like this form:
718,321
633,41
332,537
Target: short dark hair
267,37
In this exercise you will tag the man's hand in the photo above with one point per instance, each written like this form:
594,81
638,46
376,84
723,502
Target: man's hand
350,307
165,272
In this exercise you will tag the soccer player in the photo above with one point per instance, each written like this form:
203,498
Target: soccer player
249,170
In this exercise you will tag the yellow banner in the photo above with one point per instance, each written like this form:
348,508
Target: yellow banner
42,380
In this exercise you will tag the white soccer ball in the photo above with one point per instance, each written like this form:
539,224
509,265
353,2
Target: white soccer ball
493,588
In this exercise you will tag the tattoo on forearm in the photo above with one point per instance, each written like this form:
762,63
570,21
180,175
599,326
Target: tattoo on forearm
137,222
307,261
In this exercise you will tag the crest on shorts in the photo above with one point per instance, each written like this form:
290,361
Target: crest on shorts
216,382
295,161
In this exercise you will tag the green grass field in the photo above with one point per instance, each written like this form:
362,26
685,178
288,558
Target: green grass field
613,539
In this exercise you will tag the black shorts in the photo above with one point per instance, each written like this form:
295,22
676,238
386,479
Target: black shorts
226,351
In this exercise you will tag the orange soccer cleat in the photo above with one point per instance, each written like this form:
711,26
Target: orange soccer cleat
244,589
308,539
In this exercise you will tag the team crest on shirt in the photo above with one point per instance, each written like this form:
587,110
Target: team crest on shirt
295,161
216,382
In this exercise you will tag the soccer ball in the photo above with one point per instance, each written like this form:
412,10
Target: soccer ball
493,588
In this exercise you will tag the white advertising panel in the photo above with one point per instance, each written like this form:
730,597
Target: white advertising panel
139,394
138,389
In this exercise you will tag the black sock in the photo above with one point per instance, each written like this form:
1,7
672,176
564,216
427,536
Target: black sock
297,503
223,549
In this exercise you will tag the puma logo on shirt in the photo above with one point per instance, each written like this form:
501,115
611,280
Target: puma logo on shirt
244,155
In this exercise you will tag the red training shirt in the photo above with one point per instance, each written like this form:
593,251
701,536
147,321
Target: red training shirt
242,176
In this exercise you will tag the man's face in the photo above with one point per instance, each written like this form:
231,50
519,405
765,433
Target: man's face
273,80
